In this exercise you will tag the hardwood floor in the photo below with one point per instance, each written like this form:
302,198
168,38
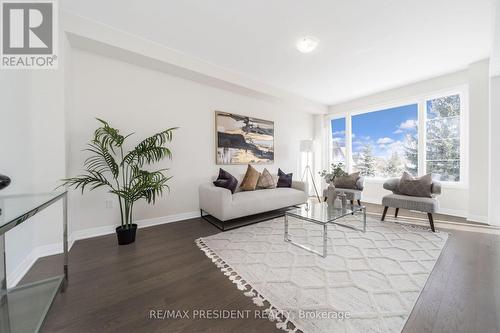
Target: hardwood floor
113,289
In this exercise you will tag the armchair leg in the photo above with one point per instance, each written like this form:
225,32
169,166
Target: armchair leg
431,221
352,204
396,213
385,212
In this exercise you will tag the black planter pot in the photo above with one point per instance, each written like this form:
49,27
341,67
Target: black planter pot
126,236
4,181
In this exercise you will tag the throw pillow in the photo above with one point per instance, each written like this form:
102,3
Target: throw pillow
266,180
347,181
416,187
285,179
249,182
226,180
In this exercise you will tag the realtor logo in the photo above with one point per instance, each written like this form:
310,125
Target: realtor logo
28,35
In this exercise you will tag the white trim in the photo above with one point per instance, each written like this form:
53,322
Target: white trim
478,218
47,250
24,266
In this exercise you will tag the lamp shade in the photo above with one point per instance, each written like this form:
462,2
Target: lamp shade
306,146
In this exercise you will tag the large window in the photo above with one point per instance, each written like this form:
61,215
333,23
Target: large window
384,142
443,138
421,137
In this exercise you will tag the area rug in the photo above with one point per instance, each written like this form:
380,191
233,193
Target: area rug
369,282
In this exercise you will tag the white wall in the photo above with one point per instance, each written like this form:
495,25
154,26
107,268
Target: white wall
494,195
454,200
495,151
32,150
140,100
479,102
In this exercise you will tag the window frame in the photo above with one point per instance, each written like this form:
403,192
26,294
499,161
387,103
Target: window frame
421,101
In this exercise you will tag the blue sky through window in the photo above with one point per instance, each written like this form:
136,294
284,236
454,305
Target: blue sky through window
338,129
384,130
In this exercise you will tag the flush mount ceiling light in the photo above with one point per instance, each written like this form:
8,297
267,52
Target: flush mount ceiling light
307,44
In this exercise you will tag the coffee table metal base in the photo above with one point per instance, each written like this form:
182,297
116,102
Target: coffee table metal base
325,234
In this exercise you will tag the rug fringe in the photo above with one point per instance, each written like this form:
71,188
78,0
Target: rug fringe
273,313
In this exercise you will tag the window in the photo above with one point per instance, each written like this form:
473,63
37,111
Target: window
443,138
385,142
338,141
420,137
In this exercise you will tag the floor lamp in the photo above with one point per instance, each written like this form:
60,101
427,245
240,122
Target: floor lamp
307,146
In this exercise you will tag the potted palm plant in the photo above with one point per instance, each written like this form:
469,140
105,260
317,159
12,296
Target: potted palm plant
123,172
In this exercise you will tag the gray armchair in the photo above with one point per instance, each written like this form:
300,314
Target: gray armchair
351,194
398,200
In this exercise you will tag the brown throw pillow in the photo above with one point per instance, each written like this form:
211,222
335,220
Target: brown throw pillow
347,181
266,180
416,187
250,180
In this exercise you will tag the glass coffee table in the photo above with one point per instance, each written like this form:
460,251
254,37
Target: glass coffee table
323,214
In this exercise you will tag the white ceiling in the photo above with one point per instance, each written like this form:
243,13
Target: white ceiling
365,46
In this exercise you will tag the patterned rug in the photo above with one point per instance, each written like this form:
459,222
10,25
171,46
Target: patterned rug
368,283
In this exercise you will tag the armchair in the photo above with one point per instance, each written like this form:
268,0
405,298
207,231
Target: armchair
351,194
399,200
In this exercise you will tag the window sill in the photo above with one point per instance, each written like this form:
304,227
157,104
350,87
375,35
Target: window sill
444,185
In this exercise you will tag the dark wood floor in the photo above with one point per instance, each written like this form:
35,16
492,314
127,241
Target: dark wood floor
113,289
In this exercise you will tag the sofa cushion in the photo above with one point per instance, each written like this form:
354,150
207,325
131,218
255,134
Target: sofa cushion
253,202
347,181
226,180
285,179
266,180
421,204
250,180
417,187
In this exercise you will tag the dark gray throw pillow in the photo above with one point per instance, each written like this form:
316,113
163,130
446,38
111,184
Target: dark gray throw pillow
226,180
347,181
285,179
416,187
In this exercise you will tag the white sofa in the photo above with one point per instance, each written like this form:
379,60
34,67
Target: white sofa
221,204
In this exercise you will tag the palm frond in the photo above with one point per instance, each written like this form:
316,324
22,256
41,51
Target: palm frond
102,160
92,179
151,149
109,137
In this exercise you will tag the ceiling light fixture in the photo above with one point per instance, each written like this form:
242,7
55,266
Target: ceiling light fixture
307,44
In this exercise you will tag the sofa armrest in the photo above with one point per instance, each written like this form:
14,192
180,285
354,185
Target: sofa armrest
436,188
213,199
299,185
392,184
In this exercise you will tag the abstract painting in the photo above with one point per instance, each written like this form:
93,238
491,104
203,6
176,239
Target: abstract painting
243,140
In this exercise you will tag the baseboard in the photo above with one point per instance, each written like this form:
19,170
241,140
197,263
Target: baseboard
47,250
452,212
38,252
478,218
472,227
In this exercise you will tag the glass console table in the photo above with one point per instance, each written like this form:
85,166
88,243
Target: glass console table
23,308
